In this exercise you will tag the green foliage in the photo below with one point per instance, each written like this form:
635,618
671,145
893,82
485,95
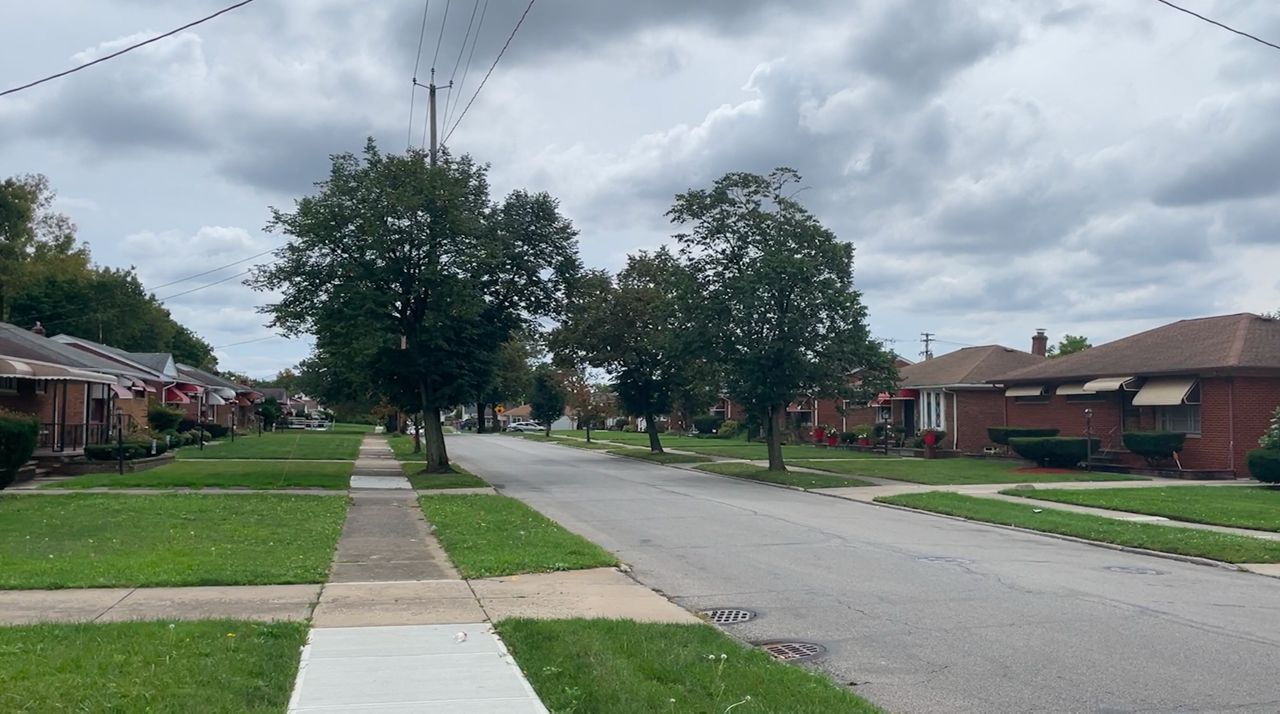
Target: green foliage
547,398
707,423
1154,445
131,448
18,435
728,429
849,437
1070,344
214,430
1271,437
1264,465
270,411
1054,451
162,418
1002,434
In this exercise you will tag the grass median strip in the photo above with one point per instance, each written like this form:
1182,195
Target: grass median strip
457,477
487,536
223,474
209,666
106,540
787,478
664,458
959,470
1255,507
295,444
1224,547
627,667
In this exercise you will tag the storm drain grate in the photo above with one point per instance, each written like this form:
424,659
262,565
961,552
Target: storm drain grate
1130,570
792,651
728,615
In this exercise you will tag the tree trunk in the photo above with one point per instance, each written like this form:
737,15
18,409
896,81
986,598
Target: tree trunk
479,417
437,456
651,428
773,437
417,432
588,432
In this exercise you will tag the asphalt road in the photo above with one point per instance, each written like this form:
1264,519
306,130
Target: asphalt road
920,613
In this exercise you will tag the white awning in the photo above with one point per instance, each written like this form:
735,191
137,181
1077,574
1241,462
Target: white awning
21,369
1072,388
225,392
213,398
1024,390
1164,391
122,392
1106,384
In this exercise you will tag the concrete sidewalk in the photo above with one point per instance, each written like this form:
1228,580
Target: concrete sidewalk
242,602
376,467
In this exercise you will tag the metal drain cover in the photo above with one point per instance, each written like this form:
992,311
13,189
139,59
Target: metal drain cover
791,651
1129,570
728,615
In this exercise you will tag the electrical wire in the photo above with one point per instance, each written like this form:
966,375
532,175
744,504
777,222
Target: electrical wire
449,109
130,48
443,20
249,342
1212,21
413,92
458,61
501,52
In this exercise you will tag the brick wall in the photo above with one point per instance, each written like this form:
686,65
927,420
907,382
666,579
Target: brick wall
974,411
1255,399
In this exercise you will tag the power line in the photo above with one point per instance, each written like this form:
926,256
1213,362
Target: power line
207,285
440,37
249,342
475,40
130,48
461,48
413,92
1211,21
213,270
502,51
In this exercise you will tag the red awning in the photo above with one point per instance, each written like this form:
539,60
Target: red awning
908,393
883,399
174,396
243,401
189,388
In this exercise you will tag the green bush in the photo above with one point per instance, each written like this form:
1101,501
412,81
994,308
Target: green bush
1271,437
1002,434
862,430
1154,445
162,418
849,437
1264,465
215,431
728,429
18,436
1056,451
132,449
707,423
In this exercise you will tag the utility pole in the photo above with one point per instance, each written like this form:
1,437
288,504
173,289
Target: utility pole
431,111
927,338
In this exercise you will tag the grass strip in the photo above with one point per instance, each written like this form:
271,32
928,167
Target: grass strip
457,477
219,474
627,667
487,536
787,478
1224,547
664,458
295,444
1255,507
959,470
207,666
106,540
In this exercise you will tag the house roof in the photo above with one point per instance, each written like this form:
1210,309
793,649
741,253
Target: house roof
25,344
209,379
278,393
1239,342
970,366
119,358
157,361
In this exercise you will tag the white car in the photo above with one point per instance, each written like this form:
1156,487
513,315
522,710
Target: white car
525,426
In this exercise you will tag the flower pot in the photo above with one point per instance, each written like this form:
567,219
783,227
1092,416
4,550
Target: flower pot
833,439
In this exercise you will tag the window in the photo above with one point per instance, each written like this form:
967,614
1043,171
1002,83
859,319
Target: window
8,385
1085,398
933,414
1184,418
1037,399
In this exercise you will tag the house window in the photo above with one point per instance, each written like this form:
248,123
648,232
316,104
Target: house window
1184,418
8,385
1085,398
1037,399
933,414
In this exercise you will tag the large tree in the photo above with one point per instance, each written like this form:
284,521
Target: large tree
547,398
1068,345
779,300
31,230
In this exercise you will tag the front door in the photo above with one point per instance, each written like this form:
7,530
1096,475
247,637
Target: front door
909,417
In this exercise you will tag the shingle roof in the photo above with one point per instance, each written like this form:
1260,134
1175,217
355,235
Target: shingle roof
971,365
1243,341
109,354
151,360
208,379
25,344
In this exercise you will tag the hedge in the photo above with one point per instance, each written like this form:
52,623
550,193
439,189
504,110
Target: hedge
1057,451
18,436
162,418
132,450
1154,445
707,423
849,437
727,429
1264,464
215,431
1002,434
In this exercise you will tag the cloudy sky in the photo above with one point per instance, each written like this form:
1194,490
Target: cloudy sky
1085,166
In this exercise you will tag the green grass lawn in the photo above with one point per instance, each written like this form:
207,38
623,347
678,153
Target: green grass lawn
352,429
487,536
959,470
284,444
403,447
627,667
756,451
664,458
205,666
213,473
457,478
105,540
1243,507
1168,539
788,478
578,443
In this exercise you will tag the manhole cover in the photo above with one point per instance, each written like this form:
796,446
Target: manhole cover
944,559
787,651
728,615
1128,570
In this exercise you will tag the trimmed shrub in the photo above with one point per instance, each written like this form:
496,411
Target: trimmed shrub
1002,434
131,449
1056,451
1271,437
215,431
1154,445
162,418
620,424
1264,465
185,425
849,437
18,436
862,430
727,429
707,423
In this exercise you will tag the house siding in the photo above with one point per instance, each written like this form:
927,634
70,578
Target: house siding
974,410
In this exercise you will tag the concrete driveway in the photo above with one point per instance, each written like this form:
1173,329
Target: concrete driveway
921,614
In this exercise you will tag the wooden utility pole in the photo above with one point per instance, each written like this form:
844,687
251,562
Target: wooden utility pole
433,146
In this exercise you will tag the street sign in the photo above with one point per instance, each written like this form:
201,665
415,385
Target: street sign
500,409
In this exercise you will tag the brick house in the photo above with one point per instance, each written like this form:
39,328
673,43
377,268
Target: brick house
1217,379
222,401
952,393
145,385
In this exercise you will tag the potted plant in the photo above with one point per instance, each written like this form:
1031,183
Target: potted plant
930,439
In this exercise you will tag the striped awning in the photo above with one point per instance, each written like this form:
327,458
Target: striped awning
1024,390
1106,384
173,396
22,369
1072,389
122,392
211,397
1164,391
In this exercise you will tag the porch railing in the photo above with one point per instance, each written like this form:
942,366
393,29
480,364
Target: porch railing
73,437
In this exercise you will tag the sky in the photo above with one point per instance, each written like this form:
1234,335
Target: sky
1087,167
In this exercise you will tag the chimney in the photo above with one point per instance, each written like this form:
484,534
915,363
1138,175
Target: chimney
1039,343
38,329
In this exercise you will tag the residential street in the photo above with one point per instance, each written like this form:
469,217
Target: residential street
926,614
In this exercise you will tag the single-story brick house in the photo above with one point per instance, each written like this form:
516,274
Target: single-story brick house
952,392
1217,379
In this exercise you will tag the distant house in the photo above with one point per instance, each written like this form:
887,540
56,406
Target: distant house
1216,379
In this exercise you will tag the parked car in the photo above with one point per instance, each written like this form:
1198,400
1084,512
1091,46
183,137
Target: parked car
525,426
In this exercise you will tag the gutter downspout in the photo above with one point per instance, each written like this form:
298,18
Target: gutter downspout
1231,424
955,420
